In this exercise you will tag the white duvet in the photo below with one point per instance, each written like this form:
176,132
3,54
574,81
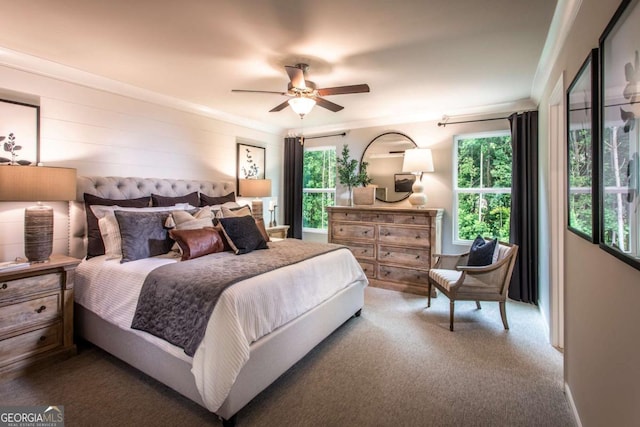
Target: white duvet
244,313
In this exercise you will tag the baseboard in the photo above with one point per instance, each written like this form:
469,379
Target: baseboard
574,410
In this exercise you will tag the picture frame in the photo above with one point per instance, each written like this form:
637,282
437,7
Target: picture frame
250,163
19,133
619,48
403,182
582,151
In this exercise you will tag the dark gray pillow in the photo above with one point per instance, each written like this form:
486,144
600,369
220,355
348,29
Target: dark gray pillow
481,252
95,245
242,234
143,234
192,198
212,201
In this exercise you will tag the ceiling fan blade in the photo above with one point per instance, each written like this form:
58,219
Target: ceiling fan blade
296,75
342,90
258,91
280,107
328,105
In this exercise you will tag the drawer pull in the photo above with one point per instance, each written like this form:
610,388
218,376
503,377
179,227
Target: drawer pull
43,338
41,309
4,286
417,236
365,232
387,254
417,256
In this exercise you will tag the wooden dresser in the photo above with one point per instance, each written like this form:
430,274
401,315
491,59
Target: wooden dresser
393,245
36,314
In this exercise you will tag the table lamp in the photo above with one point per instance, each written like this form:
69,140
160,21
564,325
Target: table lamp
255,188
417,161
39,184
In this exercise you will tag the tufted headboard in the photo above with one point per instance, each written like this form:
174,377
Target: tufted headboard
114,187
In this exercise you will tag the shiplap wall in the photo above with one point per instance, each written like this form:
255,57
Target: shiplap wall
101,133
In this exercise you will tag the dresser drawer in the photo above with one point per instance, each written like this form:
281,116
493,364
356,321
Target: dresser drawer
346,216
10,289
410,219
410,236
369,269
403,275
17,315
352,231
360,250
25,345
376,217
414,257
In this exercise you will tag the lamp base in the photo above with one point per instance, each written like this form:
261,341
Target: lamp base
256,209
38,233
417,198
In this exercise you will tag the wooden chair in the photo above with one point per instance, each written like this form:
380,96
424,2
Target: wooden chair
459,282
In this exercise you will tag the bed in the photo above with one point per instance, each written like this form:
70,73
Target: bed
224,377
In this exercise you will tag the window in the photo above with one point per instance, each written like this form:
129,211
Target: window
482,186
319,186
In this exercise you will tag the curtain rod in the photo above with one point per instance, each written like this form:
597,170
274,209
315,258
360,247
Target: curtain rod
325,136
443,124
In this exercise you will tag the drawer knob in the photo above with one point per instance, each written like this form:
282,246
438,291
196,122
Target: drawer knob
41,309
4,286
387,254
417,256
365,232
43,338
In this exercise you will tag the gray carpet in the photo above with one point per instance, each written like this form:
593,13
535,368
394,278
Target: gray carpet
398,364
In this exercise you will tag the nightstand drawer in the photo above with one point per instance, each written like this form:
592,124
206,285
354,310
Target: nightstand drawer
40,340
17,315
10,289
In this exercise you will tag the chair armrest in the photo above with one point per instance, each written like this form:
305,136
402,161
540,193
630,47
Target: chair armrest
484,268
447,262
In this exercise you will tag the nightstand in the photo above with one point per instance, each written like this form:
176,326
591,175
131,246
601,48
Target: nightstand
36,314
278,232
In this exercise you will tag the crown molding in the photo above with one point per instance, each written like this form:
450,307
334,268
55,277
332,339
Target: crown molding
34,65
563,19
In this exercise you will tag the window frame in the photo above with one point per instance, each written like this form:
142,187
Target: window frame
329,190
456,191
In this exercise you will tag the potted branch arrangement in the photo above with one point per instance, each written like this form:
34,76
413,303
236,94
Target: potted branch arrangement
355,179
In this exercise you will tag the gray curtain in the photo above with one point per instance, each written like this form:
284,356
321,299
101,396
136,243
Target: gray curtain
524,206
293,163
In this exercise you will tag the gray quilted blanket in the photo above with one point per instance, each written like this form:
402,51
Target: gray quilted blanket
176,300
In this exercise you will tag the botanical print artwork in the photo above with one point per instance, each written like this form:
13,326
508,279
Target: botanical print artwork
18,133
250,162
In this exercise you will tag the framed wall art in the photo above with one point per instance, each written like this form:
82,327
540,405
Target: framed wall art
19,133
620,131
582,151
251,162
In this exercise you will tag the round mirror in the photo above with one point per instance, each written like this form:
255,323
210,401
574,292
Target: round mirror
384,155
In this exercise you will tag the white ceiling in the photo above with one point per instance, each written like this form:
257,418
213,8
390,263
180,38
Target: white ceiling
421,58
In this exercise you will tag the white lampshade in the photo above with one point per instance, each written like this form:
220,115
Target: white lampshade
417,160
302,105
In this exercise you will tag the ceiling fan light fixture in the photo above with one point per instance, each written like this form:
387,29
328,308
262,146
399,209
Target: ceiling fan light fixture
302,105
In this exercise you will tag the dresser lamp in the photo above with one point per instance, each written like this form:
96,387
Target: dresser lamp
417,161
255,188
37,184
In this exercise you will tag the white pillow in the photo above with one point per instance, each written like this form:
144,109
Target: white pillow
110,230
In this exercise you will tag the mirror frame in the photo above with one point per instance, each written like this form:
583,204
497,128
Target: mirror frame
374,140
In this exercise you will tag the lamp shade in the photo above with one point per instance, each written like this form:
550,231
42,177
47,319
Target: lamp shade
418,160
302,105
254,188
37,184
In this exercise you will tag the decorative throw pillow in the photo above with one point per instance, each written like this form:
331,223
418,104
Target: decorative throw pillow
481,252
235,212
263,230
192,198
242,234
183,220
195,243
143,234
95,245
212,200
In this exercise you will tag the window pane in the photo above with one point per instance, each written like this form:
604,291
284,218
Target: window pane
313,208
484,214
484,162
319,168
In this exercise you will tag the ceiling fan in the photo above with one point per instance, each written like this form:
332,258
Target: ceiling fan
304,94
